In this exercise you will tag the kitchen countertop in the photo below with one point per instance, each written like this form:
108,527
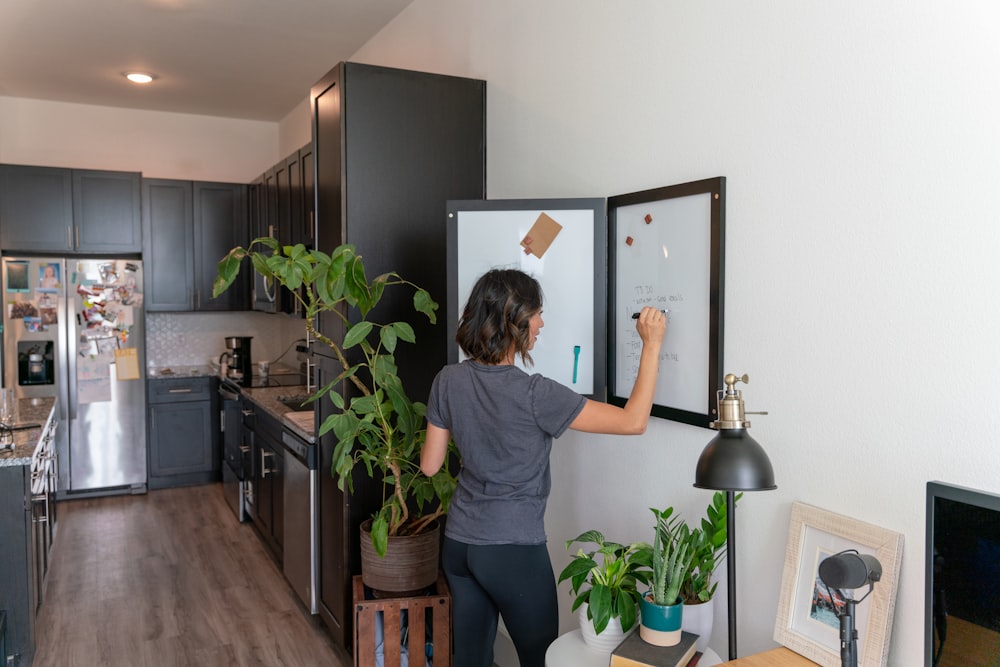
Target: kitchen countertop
269,399
277,371
164,372
30,411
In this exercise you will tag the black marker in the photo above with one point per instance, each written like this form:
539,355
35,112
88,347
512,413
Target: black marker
635,316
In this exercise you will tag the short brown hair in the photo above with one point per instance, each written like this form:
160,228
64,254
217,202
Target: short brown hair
497,315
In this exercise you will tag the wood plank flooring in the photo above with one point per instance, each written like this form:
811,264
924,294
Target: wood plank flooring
170,578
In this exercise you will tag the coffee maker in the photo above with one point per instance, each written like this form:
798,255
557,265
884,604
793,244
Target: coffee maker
240,368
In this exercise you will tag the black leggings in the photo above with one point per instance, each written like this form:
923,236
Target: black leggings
509,579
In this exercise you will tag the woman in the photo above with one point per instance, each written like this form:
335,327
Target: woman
503,421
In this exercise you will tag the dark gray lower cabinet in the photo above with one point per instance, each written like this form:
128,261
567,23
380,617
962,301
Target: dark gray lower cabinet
269,481
17,566
184,438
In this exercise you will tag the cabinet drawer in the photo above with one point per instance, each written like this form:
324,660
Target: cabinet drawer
175,390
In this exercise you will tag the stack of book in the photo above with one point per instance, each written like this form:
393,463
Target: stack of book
634,652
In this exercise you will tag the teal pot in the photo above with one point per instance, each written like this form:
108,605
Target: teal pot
661,624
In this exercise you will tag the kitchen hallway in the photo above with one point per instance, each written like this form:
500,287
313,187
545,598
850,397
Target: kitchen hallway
170,578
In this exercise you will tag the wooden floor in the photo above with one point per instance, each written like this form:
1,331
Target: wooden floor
170,578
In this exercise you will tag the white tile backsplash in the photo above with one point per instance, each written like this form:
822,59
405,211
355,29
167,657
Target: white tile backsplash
192,339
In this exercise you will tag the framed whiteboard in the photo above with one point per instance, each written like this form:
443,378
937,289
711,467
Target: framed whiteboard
488,234
667,250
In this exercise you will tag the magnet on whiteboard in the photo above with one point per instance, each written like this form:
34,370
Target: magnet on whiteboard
629,240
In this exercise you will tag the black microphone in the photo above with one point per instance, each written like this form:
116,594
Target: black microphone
849,569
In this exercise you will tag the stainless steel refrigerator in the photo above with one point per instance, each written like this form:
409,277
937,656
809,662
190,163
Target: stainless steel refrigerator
73,329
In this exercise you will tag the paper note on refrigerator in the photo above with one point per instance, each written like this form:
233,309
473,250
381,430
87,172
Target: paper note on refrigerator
127,363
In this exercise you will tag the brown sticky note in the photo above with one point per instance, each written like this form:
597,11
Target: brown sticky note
127,363
540,236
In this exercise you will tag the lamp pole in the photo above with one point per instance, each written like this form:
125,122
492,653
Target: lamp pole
731,568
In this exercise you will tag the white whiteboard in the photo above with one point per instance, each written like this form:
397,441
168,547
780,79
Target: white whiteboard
485,234
667,252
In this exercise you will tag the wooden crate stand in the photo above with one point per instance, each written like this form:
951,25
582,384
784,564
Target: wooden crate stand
365,618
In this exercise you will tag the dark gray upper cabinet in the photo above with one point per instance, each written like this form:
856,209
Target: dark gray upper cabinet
47,209
36,208
220,224
168,233
106,215
188,227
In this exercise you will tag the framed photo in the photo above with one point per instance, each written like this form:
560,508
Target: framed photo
666,250
807,622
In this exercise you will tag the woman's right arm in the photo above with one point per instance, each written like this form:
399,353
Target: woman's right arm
597,417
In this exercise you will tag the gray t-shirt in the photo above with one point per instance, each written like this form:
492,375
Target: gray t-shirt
503,421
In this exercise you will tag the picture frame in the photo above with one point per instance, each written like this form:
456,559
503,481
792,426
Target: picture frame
667,250
801,625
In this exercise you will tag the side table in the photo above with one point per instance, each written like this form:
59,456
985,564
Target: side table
569,650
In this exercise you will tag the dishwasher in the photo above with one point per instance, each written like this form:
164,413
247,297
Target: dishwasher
301,518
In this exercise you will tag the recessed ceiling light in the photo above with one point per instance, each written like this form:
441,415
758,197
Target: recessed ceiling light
139,77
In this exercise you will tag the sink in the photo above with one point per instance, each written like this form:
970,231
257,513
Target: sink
295,403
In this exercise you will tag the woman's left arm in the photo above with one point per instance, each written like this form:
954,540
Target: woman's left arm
434,450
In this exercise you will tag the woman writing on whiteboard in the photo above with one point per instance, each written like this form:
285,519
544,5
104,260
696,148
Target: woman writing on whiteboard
503,421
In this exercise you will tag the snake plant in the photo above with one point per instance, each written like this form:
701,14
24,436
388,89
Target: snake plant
673,554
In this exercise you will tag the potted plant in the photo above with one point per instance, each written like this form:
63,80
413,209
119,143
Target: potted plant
604,582
377,425
672,556
698,588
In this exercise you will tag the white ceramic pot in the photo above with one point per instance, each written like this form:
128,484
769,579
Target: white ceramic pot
699,619
608,640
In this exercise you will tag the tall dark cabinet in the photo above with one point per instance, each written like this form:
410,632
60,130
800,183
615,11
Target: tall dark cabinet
391,147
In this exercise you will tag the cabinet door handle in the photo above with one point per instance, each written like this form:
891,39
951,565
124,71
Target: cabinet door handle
69,237
248,413
180,390
77,236
264,470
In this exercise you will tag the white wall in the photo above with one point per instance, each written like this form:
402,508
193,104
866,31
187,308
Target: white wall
158,144
860,144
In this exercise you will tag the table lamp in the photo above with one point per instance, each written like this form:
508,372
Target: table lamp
731,462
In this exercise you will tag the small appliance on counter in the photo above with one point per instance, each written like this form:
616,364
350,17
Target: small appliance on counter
236,358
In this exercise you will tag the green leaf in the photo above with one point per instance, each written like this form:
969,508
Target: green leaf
356,334
404,331
380,535
229,268
600,607
388,336
423,303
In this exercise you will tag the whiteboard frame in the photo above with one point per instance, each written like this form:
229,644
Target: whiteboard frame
714,266
597,291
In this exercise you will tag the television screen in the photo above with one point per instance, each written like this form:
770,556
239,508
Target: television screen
962,592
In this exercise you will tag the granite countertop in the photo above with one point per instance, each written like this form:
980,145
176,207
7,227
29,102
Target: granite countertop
166,372
34,411
269,399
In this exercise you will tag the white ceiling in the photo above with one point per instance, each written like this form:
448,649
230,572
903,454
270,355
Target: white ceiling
250,59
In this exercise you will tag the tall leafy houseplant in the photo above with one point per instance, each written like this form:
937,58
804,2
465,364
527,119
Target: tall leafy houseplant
607,578
379,426
709,552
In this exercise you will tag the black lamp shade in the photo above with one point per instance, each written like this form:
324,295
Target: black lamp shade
733,461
